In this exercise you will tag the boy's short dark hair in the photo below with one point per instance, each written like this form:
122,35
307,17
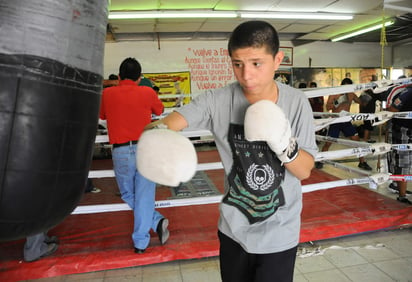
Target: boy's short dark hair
131,69
254,34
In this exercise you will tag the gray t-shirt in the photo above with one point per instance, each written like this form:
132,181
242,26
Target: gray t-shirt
214,110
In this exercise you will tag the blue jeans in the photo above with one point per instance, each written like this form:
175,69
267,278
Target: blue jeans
138,192
35,246
347,128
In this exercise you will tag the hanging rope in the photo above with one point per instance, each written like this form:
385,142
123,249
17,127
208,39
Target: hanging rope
383,41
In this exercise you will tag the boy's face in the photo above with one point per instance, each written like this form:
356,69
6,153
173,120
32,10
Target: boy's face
255,68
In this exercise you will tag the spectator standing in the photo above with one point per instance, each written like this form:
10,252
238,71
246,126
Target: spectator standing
316,103
128,108
336,104
368,105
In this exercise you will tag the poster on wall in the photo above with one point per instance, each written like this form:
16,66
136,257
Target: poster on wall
284,76
210,68
288,56
174,87
357,75
407,72
329,77
322,76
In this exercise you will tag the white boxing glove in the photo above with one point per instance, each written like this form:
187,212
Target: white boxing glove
265,121
166,157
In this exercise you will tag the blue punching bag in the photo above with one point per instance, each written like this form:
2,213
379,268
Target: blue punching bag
51,66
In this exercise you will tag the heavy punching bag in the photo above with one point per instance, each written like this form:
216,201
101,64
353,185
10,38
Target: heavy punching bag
51,66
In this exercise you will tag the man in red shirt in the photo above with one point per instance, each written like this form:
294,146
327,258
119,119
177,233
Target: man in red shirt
128,108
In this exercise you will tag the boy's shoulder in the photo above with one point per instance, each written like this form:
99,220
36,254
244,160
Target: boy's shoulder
227,90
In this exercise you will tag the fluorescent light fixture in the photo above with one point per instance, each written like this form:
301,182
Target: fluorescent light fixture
290,15
361,31
171,14
177,14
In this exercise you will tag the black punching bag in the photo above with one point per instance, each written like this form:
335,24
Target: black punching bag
51,65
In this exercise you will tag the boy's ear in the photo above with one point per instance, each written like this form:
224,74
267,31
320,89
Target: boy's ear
279,58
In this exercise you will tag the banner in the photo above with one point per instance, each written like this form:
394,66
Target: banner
174,87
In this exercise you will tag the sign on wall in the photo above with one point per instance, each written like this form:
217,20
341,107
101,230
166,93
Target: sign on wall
328,77
174,87
210,68
288,56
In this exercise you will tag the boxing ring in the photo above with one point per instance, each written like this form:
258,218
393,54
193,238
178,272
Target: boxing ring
359,150
96,236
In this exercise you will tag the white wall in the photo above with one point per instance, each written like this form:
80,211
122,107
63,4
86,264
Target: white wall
196,56
208,62
337,54
402,56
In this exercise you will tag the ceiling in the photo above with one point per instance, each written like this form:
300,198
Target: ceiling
366,12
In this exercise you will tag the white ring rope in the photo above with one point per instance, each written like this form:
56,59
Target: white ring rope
353,169
376,86
342,141
174,96
187,133
373,181
158,204
110,173
402,115
352,152
367,149
380,147
376,118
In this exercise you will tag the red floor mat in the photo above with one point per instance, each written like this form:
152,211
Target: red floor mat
96,242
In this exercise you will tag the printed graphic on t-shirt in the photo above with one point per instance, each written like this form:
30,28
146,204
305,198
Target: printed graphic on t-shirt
255,179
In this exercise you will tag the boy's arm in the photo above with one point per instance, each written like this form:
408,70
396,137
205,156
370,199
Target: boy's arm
174,121
301,167
356,98
329,103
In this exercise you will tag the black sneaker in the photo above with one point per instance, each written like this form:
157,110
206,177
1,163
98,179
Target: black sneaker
318,165
404,200
364,166
162,230
395,190
139,251
51,239
96,190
